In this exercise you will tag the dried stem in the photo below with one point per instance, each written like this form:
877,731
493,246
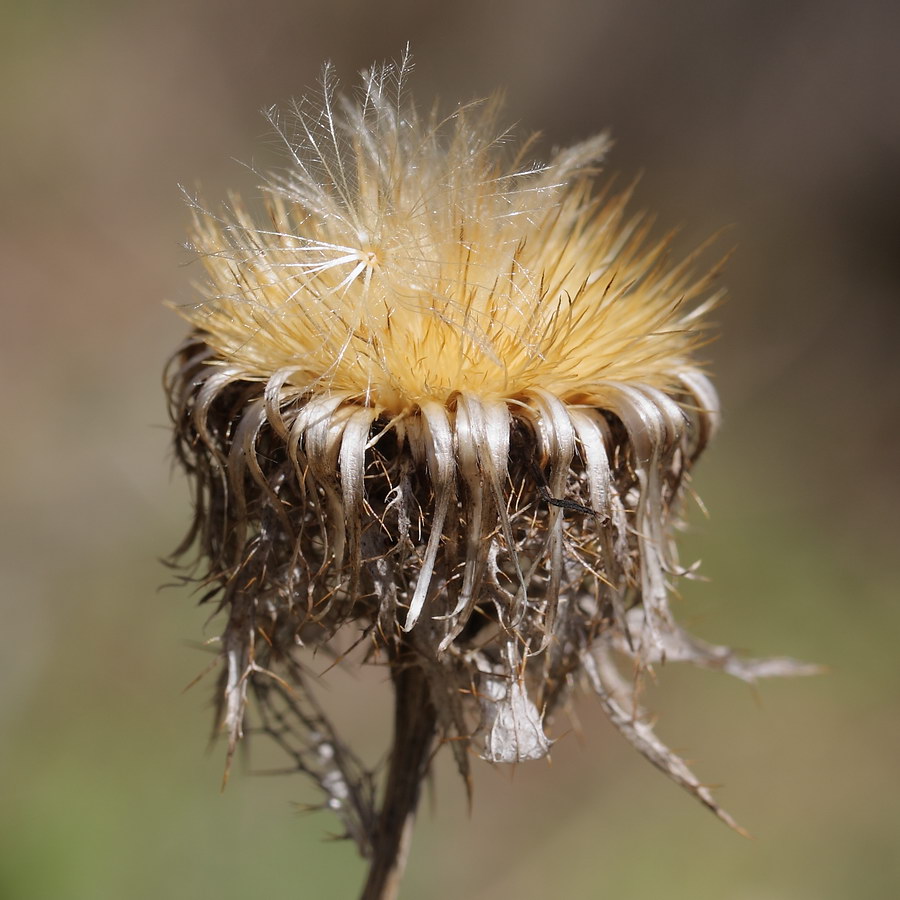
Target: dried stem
415,722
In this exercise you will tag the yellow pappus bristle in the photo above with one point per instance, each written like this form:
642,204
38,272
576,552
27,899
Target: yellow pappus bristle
406,260
446,397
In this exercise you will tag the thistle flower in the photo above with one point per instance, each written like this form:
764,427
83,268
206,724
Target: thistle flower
445,403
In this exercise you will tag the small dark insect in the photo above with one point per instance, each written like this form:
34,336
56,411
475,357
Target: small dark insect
543,490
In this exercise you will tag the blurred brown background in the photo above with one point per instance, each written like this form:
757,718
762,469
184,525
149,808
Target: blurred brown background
778,118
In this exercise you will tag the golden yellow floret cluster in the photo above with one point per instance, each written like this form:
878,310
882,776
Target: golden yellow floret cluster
406,260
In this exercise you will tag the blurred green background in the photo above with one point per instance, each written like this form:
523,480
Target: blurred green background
778,118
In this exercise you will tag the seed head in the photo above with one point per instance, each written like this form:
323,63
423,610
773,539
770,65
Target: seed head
445,400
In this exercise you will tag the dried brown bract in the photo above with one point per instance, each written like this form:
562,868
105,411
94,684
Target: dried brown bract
446,402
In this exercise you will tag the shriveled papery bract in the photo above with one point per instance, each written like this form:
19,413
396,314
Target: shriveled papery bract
443,400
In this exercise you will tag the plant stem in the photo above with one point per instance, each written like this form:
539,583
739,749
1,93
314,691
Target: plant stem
414,731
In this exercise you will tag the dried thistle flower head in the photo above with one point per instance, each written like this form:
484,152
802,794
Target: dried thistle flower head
446,400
